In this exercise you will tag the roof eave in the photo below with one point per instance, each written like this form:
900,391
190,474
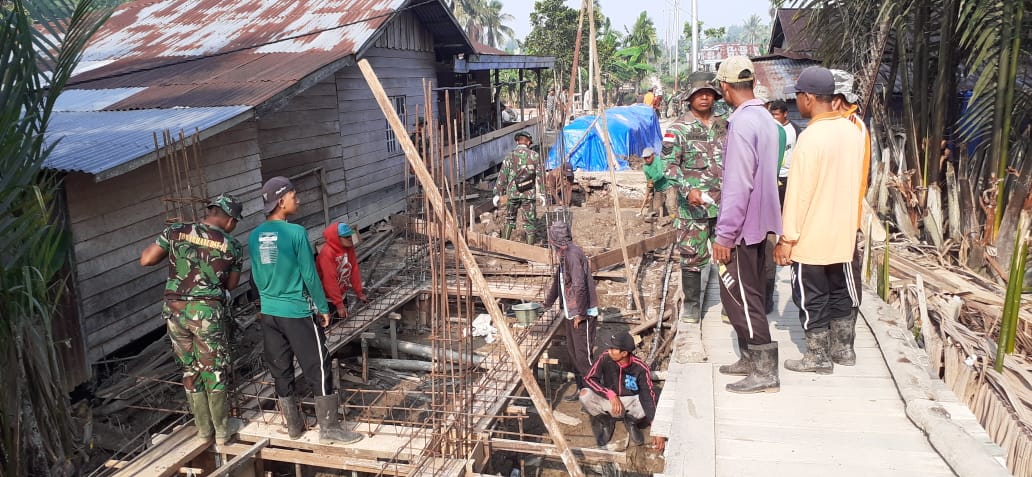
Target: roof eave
152,156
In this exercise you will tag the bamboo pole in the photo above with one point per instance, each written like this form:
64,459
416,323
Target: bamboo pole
568,104
593,57
473,270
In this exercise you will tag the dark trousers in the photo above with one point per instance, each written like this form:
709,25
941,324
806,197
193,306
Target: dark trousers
854,278
580,342
286,337
822,293
742,285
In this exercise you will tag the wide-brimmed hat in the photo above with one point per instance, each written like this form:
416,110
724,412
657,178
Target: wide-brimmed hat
844,85
699,81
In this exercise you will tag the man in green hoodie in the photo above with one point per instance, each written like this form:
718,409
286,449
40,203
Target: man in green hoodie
283,269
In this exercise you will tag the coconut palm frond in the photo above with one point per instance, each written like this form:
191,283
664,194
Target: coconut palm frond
41,42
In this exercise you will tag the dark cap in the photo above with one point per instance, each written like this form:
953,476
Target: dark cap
568,169
813,80
520,134
621,340
229,204
274,190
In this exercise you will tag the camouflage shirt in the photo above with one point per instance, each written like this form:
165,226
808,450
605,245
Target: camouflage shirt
694,154
518,176
200,259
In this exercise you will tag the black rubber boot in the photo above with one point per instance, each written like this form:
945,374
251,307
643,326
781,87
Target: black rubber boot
743,366
817,358
634,435
330,430
769,297
602,427
843,334
292,417
764,376
691,285
198,402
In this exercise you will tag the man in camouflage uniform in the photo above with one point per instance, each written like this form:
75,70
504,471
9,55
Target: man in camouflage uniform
693,147
204,263
518,188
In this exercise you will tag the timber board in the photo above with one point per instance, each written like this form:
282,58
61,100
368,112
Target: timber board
379,441
851,423
164,459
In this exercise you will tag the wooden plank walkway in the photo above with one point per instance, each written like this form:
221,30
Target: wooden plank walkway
850,423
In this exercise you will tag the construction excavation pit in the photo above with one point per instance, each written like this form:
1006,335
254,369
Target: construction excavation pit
437,371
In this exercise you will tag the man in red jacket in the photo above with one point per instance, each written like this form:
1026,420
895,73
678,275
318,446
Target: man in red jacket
338,267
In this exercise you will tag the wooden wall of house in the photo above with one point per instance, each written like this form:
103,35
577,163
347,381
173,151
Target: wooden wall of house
337,126
114,220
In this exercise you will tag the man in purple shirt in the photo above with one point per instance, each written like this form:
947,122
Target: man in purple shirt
749,210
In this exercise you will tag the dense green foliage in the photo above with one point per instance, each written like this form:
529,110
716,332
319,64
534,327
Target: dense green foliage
36,436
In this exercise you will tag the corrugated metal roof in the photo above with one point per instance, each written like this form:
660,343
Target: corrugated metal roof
92,99
97,141
211,60
773,74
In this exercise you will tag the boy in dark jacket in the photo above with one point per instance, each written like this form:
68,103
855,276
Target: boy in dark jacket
575,287
619,387
338,267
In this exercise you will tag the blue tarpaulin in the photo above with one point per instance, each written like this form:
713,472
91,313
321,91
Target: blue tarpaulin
631,129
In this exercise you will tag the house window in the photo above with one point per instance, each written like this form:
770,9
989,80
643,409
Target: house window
399,107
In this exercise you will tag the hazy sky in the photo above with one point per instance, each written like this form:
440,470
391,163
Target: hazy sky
713,13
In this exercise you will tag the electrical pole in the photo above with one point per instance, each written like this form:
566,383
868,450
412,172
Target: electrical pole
695,35
677,43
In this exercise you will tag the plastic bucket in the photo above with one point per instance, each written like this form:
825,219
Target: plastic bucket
526,313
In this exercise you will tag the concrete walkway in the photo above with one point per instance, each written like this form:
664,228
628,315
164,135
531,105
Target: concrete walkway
850,423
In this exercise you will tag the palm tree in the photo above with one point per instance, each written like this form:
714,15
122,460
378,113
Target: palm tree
36,433
754,31
484,21
493,21
643,35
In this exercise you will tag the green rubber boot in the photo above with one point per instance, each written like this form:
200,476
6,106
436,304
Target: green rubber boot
507,231
198,402
225,427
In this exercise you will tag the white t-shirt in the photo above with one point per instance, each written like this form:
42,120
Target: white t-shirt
790,137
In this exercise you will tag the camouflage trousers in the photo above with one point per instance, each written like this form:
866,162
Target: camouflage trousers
199,343
526,206
693,241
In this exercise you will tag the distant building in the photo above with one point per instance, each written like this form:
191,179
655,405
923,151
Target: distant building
711,56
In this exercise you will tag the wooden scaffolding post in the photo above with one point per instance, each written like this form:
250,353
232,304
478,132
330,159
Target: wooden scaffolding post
607,141
473,270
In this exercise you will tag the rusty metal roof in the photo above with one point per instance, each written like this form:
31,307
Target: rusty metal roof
774,73
185,64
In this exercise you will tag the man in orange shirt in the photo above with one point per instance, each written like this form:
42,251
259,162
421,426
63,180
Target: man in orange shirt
818,240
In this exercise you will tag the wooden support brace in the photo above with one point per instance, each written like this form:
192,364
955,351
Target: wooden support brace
479,282
613,257
227,470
